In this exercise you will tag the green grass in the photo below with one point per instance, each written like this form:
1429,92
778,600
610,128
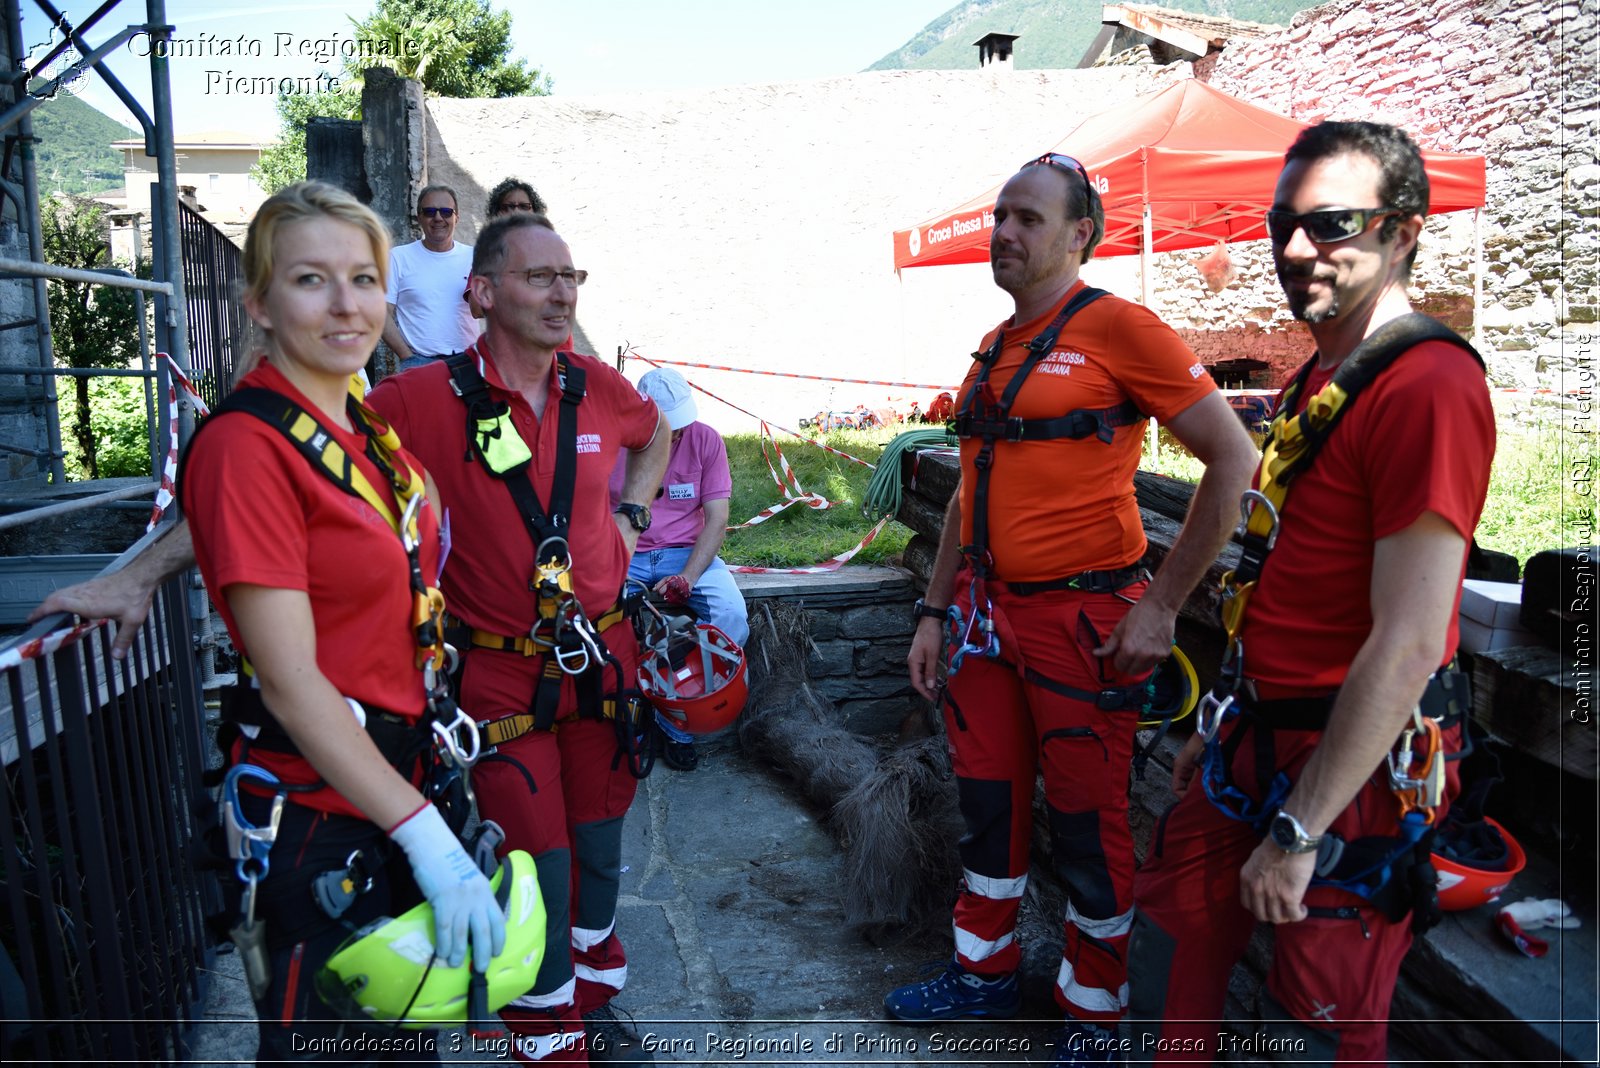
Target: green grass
801,536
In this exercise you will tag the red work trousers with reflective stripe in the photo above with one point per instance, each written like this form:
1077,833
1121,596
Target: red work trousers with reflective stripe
1003,729
560,795
1333,976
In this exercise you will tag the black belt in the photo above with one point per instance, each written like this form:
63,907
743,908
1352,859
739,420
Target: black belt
1446,698
1087,581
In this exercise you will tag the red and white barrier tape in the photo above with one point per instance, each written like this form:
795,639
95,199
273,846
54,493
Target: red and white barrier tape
788,485
46,645
757,418
169,469
788,374
833,563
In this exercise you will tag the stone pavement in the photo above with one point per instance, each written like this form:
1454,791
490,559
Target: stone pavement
738,953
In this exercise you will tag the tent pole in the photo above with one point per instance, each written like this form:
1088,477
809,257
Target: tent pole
1145,246
1477,275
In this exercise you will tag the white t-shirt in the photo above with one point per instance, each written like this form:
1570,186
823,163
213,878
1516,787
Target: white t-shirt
425,288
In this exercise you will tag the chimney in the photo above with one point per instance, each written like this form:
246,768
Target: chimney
994,51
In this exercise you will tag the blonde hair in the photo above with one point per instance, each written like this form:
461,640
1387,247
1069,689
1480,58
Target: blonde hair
297,203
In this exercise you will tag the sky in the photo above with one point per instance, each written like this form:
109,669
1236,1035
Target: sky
587,46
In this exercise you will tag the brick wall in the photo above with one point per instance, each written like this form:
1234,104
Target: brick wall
1511,79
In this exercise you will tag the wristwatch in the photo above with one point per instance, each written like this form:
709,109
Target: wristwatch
923,610
1288,835
638,515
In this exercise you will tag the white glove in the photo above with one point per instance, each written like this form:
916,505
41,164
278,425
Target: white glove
1532,913
463,903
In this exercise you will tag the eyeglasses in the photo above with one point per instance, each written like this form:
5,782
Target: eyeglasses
1062,163
1325,227
443,213
517,205
544,277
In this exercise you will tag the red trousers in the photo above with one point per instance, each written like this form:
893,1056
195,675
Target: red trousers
1003,729
1331,977
560,795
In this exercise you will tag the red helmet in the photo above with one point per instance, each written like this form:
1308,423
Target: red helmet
692,672
1476,862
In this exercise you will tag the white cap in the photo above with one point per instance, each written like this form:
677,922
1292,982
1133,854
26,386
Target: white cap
671,393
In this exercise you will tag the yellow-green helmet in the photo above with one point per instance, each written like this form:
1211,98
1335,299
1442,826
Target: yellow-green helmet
387,971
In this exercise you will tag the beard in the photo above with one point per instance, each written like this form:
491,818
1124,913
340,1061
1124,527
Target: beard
1299,300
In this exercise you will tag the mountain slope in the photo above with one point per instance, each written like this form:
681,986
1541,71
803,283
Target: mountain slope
74,153
1054,33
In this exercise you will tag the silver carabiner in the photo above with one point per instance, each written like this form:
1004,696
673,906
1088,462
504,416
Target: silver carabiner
1247,502
408,520
450,743
1211,714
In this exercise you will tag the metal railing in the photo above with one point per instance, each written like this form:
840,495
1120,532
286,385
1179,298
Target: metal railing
103,949
211,272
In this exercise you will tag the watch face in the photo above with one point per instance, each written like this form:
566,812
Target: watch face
1283,834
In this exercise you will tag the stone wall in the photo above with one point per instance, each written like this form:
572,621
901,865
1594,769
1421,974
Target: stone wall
860,624
1513,80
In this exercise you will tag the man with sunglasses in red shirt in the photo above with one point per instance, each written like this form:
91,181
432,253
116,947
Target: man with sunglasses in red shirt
1038,606
428,317
1323,752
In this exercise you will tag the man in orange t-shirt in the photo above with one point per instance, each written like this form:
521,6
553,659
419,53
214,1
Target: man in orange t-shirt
1043,542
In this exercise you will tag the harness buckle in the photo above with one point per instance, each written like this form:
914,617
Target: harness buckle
1247,505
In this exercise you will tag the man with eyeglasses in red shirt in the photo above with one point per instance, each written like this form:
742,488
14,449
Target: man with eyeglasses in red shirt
428,319
1339,642
1038,607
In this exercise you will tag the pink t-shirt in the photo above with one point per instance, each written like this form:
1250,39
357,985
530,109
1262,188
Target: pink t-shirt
697,472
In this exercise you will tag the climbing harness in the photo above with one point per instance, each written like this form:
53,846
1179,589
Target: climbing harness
567,639
1369,867
981,415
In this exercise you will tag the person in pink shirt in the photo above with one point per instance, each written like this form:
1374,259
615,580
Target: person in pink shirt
677,556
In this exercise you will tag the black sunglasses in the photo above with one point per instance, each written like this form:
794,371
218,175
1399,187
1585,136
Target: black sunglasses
443,213
1325,227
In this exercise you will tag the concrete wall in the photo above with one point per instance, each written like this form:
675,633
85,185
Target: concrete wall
1514,80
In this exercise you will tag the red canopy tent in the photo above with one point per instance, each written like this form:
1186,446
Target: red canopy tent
1181,168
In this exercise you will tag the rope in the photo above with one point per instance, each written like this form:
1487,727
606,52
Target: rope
883,488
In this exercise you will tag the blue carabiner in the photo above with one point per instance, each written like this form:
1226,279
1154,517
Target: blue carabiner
248,844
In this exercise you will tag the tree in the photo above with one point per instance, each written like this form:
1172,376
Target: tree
283,162
91,326
455,48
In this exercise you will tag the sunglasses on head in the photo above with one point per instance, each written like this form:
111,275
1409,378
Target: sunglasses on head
443,213
1326,226
1062,163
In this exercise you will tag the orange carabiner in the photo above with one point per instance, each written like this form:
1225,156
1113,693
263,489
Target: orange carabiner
1423,774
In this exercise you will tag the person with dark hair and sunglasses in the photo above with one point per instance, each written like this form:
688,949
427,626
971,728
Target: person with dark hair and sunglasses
1038,609
428,319
1323,753
514,195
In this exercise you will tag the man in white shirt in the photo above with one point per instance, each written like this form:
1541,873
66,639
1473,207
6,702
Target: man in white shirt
428,315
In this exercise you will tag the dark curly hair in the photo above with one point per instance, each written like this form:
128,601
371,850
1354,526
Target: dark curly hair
511,185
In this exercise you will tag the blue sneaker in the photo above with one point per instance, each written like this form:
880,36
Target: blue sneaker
952,994
1082,1043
